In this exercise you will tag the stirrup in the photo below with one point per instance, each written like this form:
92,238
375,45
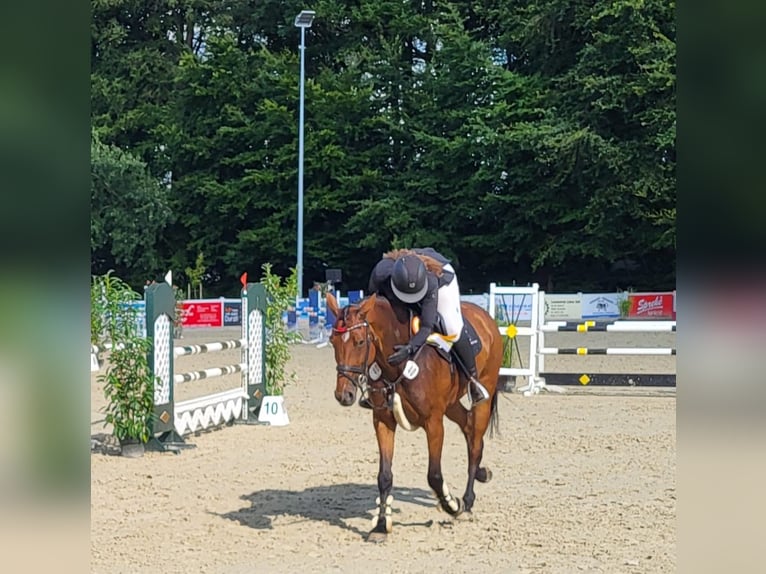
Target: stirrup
477,392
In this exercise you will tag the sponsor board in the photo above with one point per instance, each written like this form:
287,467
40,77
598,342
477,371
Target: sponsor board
601,305
562,307
651,306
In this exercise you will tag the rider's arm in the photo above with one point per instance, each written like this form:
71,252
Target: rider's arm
380,276
428,314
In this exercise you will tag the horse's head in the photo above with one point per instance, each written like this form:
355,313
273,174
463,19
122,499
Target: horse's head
352,342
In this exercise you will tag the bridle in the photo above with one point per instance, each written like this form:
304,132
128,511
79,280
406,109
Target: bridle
348,370
360,382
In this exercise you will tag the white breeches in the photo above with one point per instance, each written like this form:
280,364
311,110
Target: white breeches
448,307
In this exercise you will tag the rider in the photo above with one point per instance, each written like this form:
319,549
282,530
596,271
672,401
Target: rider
426,277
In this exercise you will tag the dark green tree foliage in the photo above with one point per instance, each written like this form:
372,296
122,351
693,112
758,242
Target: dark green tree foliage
528,141
129,210
604,158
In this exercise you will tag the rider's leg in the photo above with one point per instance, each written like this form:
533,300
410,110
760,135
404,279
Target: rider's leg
464,350
449,309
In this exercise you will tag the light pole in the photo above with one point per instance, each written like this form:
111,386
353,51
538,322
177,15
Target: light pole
302,21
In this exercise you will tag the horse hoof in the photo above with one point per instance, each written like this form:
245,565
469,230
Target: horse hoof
377,537
484,475
453,513
460,507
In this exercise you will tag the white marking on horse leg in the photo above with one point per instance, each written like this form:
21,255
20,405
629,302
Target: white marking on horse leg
376,512
451,502
387,512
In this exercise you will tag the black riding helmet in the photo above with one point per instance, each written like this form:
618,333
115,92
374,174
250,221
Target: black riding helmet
408,279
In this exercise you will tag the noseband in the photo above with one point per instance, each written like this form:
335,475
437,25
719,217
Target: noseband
347,370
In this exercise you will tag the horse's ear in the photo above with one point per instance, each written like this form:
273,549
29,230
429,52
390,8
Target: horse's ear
332,305
367,304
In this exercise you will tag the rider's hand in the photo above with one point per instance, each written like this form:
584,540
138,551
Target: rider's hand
402,353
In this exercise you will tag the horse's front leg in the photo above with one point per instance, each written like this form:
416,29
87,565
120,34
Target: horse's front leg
435,435
385,429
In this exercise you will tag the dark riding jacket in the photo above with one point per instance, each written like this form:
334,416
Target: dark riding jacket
380,283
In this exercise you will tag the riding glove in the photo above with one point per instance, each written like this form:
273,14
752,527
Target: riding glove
402,353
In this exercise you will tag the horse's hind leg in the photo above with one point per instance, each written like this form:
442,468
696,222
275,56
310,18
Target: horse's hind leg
434,428
385,429
467,423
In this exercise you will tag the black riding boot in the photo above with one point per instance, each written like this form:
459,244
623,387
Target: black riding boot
464,350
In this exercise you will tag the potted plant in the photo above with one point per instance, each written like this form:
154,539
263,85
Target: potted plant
278,338
129,391
279,297
128,380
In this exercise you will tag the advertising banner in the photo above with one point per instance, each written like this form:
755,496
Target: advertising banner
601,305
651,306
562,307
513,308
232,313
202,313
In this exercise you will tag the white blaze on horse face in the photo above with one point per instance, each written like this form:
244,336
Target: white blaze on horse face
346,335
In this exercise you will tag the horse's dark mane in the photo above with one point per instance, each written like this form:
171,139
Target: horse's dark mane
400,312
431,264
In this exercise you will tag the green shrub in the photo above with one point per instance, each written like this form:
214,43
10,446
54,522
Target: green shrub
128,381
280,296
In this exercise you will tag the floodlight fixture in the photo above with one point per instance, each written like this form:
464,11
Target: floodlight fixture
304,19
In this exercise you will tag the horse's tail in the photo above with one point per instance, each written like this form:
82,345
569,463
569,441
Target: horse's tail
494,417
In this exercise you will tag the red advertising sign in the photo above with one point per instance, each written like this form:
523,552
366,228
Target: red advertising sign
202,314
651,306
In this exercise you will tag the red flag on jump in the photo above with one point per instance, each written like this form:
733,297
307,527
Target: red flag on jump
243,279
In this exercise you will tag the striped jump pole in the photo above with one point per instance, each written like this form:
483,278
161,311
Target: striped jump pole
530,300
208,347
613,327
546,379
173,420
610,379
210,373
607,351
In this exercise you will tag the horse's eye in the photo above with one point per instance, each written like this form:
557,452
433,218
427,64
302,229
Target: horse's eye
359,343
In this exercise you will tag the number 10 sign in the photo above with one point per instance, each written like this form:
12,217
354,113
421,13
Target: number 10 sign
273,411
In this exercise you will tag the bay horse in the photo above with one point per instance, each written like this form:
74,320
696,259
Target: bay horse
364,335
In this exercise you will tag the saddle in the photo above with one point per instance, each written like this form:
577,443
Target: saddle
443,345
